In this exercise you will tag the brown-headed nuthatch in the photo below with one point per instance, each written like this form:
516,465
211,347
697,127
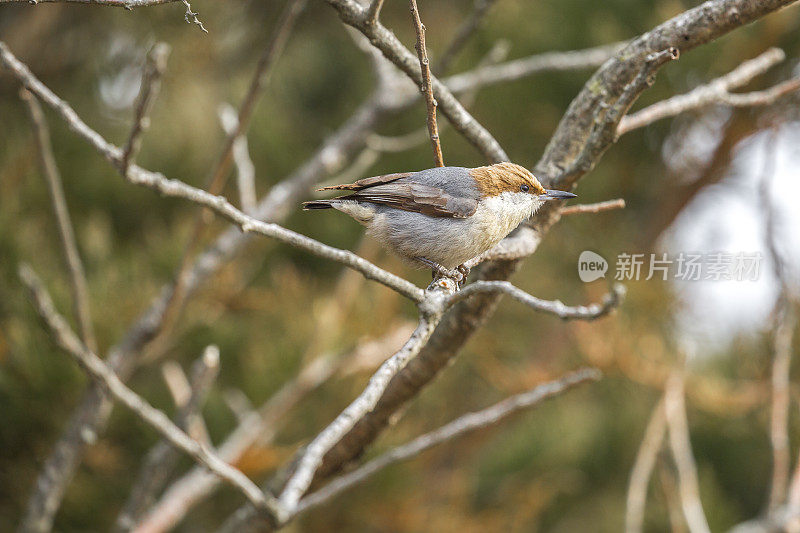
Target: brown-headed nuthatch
444,216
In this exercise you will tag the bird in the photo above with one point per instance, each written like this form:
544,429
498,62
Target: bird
444,216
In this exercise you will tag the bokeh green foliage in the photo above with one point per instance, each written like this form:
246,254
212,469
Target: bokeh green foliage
562,467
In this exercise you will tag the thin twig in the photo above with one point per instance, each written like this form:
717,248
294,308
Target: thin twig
191,17
517,69
716,92
599,207
154,68
643,469
99,371
425,86
781,335
161,459
77,275
681,446
610,301
245,169
374,11
460,426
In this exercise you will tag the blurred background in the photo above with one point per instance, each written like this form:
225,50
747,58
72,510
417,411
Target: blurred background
691,184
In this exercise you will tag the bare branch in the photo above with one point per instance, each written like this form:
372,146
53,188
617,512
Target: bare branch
162,458
245,170
99,371
765,97
460,426
599,207
643,468
177,383
154,68
681,447
178,189
374,11
353,14
77,275
191,17
716,92
425,85
781,339
555,307
521,68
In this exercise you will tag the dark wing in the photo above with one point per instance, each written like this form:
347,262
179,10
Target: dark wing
396,190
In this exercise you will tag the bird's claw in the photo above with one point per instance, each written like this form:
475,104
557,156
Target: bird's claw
458,274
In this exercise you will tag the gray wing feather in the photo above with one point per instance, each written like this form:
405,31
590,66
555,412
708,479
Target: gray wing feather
436,192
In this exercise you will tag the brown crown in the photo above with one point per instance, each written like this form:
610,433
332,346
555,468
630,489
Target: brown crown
504,177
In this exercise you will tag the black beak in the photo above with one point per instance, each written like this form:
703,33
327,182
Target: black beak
552,194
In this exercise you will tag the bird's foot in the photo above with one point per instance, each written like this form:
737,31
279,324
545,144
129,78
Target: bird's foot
458,274
464,269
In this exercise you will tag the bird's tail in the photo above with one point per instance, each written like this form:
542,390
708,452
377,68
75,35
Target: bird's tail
317,204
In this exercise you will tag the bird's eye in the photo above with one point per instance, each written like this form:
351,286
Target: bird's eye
524,187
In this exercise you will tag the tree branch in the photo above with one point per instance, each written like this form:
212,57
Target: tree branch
681,446
99,371
716,92
245,169
160,461
425,86
599,207
517,69
458,427
154,68
781,341
642,469
555,307
72,258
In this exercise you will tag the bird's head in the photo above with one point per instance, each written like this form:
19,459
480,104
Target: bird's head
514,185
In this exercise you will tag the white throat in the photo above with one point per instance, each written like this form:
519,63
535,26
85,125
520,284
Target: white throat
513,207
